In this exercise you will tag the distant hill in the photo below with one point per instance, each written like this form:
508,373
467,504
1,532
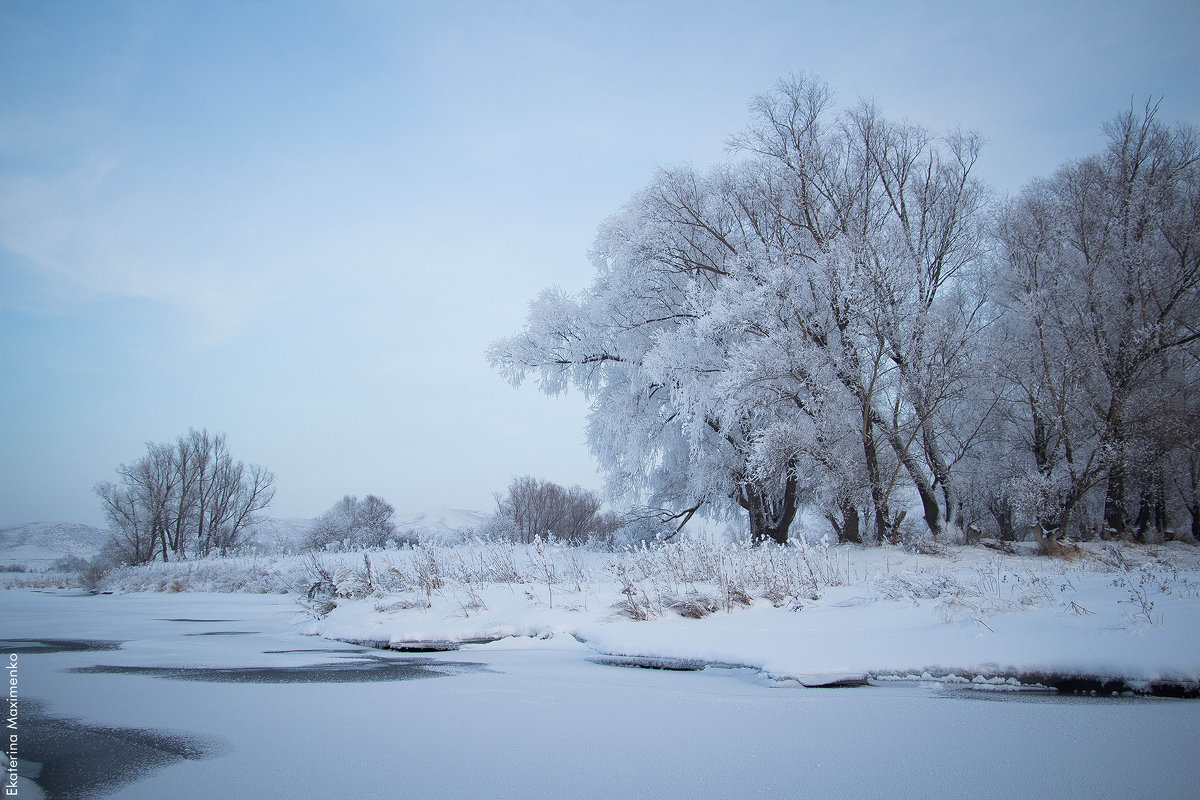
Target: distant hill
37,545
287,535
441,521
281,534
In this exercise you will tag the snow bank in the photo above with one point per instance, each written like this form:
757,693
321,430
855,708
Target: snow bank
813,615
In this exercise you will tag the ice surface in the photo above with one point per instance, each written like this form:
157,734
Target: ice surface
543,721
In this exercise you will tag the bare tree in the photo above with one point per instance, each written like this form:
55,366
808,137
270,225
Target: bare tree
189,497
535,508
141,509
131,528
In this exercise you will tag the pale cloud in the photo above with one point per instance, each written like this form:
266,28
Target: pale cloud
65,227
40,215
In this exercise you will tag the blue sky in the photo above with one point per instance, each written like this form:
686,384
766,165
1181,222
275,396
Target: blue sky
302,223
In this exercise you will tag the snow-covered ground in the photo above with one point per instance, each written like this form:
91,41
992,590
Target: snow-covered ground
529,718
809,614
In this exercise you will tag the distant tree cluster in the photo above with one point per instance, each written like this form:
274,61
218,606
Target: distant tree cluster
535,508
354,524
842,318
182,499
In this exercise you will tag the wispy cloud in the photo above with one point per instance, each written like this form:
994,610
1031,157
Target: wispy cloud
92,241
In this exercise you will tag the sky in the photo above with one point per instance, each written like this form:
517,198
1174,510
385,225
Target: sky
301,224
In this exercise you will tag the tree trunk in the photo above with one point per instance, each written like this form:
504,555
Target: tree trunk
162,537
1161,523
929,499
929,504
761,531
849,528
1114,497
1145,517
770,511
1152,514
941,476
879,497
1002,513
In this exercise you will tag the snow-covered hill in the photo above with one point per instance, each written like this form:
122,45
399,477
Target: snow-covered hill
281,534
440,524
441,521
37,545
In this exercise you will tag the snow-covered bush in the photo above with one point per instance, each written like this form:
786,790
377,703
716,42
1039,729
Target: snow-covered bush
353,524
694,577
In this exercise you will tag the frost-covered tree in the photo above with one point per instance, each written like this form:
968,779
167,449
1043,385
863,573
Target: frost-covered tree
140,506
782,326
1101,271
836,316
890,300
653,426
354,523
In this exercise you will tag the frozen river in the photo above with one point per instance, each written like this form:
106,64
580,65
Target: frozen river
199,696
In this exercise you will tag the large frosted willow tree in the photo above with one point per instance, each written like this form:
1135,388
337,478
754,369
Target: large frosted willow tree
792,324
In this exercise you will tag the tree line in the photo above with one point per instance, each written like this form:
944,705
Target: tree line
191,498
843,317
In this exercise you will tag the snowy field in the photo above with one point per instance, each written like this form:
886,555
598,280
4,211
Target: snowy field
198,691
235,703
